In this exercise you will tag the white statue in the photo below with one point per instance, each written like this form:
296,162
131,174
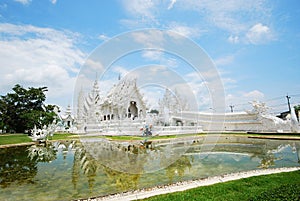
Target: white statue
258,108
294,122
269,122
42,134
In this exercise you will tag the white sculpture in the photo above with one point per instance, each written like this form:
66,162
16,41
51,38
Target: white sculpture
43,134
294,122
258,108
171,104
269,122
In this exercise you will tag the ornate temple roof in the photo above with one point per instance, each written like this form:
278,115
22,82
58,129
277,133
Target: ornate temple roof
124,90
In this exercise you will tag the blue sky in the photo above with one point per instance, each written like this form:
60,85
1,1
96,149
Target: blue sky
255,45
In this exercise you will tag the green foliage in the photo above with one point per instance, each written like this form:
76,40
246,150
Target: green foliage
283,192
154,111
282,186
24,108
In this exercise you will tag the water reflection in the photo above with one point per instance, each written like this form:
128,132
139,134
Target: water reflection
16,167
122,181
42,153
179,167
135,157
85,163
71,170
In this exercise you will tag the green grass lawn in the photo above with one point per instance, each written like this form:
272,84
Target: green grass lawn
22,138
140,137
14,139
63,136
282,186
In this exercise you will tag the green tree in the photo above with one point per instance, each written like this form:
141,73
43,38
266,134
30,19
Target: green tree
24,108
154,111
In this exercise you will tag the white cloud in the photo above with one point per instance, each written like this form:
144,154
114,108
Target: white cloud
233,39
143,9
187,31
103,37
259,33
241,100
161,57
226,61
222,61
34,56
145,13
120,70
172,2
254,95
256,34
93,66
228,82
200,89
232,16
24,2
150,39
152,55
53,1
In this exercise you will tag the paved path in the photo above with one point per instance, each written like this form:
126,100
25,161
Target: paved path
181,186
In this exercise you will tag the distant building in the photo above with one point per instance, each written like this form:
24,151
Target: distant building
67,121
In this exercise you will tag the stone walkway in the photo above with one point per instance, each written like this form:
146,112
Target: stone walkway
19,144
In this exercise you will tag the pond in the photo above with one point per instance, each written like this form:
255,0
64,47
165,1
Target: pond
71,170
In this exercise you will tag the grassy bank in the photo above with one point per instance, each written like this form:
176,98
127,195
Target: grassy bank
63,136
282,186
24,138
143,137
7,139
14,139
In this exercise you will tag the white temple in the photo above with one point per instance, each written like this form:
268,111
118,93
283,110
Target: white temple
123,103
123,111
67,121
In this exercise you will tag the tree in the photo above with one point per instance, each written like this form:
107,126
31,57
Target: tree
154,111
24,108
